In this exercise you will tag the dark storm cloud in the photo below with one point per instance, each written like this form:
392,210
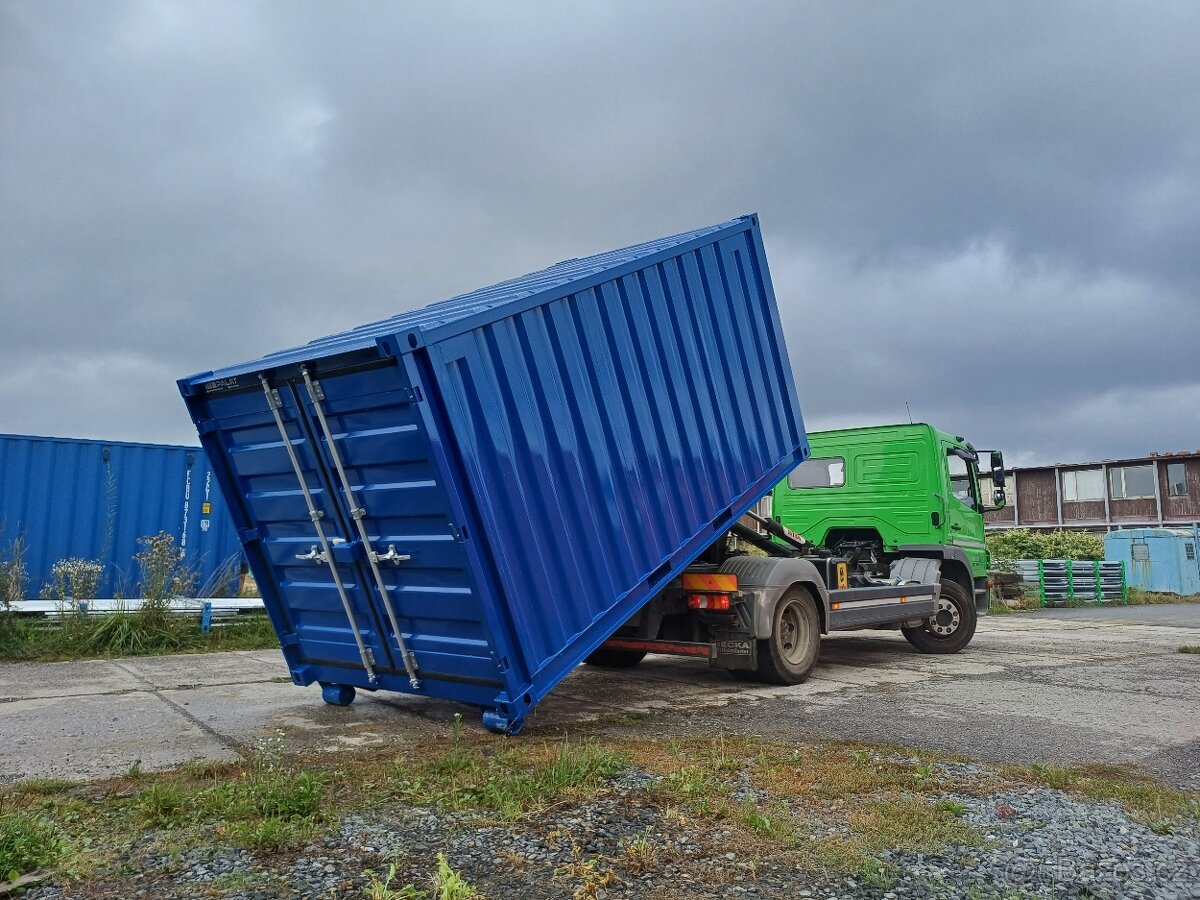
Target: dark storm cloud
991,213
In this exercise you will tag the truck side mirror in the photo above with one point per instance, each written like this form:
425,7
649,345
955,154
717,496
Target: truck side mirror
999,501
997,468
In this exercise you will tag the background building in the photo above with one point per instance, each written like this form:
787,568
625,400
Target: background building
1159,489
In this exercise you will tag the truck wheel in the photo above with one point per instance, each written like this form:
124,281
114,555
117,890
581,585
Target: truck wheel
789,655
611,658
951,627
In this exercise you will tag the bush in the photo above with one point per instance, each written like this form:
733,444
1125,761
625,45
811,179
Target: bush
74,578
1021,543
13,574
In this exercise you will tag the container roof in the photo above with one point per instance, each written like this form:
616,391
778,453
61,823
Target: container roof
560,279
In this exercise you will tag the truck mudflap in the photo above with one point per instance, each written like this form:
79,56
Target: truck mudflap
884,605
734,650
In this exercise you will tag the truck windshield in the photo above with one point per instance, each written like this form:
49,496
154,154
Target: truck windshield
962,485
828,471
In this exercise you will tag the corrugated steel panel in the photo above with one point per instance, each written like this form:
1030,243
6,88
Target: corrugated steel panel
546,454
1165,560
93,499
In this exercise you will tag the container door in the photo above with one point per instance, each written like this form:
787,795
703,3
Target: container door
299,576
422,580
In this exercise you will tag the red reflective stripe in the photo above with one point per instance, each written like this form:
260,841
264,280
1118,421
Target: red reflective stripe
697,581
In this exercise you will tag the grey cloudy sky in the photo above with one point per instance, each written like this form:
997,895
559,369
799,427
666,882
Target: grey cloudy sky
990,211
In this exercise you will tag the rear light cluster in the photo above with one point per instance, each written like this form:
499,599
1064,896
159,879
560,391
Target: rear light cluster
708,601
709,590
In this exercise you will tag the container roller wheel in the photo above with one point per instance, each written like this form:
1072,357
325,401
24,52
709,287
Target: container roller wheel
337,694
498,723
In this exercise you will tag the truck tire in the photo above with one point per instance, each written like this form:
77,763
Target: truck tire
789,655
951,627
611,658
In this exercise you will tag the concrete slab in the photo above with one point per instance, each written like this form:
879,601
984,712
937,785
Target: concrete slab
1028,688
163,672
25,681
98,735
244,715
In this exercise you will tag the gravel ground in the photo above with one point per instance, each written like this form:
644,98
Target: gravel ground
1038,843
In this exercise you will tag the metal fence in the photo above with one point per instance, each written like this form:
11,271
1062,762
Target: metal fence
211,610
1075,581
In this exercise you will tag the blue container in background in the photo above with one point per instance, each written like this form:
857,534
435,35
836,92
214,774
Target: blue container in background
1165,560
471,497
68,497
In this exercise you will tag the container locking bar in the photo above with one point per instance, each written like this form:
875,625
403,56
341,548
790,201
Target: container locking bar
359,514
275,402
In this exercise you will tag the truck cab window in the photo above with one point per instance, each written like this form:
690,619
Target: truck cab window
828,471
962,485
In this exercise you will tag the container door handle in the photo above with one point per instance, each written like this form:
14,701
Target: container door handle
391,556
313,555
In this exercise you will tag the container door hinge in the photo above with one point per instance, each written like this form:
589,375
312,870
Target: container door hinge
460,534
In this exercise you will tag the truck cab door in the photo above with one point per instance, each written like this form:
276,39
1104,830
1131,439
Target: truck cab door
964,516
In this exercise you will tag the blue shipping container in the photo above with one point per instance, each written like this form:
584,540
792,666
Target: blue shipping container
1165,560
473,496
68,497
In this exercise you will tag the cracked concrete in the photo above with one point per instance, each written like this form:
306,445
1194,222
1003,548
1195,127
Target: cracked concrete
1055,686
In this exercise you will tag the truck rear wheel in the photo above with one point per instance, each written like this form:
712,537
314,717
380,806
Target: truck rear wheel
950,628
789,655
611,658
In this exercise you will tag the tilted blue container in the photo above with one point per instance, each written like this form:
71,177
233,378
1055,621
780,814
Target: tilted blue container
529,463
70,497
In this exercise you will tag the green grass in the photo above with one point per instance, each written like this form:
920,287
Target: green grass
128,634
28,841
834,808
1147,800
509,783
1189,648
267,806
1138,597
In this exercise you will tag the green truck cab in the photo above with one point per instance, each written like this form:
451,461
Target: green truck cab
881,528
894,491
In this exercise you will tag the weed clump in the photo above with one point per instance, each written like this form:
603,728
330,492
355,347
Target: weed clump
28,842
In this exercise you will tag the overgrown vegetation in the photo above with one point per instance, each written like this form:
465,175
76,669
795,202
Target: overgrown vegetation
28,841
511,783
149,627
1021,543
126,633
13,574
1139,597
1190,648
832,808
268,805
1147,800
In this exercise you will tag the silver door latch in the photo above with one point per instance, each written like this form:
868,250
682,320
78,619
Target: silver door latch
391,556
313,555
